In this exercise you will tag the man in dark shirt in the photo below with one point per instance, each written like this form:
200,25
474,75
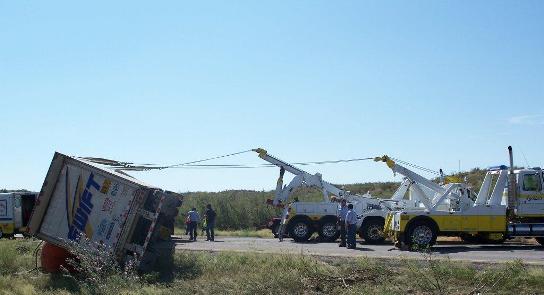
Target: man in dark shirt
210,222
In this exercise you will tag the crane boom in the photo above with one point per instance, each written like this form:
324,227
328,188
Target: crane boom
301,178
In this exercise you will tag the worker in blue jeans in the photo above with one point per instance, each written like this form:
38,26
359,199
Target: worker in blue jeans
342,211
351,226
210,223
194,219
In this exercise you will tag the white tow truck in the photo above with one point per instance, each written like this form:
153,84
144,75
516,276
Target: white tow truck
510,203
300,220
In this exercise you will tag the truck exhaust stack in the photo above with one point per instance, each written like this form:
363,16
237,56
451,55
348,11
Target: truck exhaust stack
511,184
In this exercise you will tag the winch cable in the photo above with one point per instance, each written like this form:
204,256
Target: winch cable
129,166
271,165
416,166
203,160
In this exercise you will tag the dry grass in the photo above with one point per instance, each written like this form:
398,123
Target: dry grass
248,233
235,273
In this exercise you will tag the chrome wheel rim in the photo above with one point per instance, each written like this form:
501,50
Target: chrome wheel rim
300,229
375,232
329,230
422,235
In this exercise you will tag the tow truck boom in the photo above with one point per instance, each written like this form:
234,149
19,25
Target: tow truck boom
302,178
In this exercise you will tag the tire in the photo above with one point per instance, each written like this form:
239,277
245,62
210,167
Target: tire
421,234
540,240
328,231
1,234
300,230
372,231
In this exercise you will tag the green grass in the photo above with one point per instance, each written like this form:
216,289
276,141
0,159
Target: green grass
262,233
238,273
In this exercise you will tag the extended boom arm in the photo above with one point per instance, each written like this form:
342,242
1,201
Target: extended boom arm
302,178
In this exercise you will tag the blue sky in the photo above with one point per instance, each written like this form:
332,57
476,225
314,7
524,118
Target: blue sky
429,82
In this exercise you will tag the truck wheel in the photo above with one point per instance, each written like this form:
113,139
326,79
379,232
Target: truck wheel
300,230
421,234
328,230
540,240
372,231
1,234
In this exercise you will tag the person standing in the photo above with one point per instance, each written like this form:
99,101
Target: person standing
351,226
187,225
342,211
194,219
210,222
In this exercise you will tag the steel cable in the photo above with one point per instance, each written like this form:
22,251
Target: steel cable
129,166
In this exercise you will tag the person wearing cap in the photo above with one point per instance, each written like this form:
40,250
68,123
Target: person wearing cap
194,219
351,226
210,222
342,211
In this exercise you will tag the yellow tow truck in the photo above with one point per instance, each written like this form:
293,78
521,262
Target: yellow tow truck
510,203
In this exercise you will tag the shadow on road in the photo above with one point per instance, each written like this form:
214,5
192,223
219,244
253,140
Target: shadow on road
484,248
362,249
179,240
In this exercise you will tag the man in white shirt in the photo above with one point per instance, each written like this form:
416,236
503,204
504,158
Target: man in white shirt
342,211
351,226
194,219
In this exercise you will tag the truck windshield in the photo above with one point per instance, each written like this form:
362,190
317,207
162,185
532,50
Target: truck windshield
531,182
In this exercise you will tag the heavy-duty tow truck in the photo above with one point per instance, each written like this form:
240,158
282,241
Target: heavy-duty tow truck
509,204
299,220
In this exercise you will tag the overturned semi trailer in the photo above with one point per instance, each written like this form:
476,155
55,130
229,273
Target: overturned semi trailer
83,199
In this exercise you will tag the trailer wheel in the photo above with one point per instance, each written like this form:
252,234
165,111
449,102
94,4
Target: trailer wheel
540,240
300,230
328,230
372,231
421,234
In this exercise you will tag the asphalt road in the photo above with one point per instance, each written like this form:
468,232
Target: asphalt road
528,253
